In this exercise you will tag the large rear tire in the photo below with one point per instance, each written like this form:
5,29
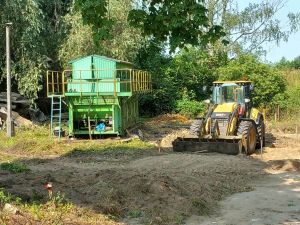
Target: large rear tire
248,131
196,127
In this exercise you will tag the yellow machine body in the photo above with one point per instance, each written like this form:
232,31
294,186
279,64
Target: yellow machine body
231,125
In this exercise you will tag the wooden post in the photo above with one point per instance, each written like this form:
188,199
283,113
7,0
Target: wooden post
278,113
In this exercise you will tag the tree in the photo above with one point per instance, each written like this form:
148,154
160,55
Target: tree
28,53
37,32
288,64
178,81
55,29
178,22
296,62
123,43
283,64
162,99
270,85
249,28
194,69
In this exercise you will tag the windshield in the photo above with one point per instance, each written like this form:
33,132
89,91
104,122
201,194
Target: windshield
227,93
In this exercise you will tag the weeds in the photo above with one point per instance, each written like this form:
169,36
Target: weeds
14,167
135,214
5,198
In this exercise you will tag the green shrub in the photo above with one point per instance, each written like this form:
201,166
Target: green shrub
5,198
293,102
270,85
189,107
14,167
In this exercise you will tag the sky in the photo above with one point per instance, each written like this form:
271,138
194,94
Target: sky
290,49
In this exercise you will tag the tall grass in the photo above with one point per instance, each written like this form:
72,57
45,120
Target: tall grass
292,77
290,113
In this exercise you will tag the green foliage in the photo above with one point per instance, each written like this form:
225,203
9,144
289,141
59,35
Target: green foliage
164,94
135,214
293,103
283,64
249,28
123,43
5,198
26,44
96,14
191,70
179,22
35,36
189,107
78,42
14,167
296,63
286,64
269,83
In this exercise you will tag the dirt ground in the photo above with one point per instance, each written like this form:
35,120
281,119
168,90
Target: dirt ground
275,198
163,187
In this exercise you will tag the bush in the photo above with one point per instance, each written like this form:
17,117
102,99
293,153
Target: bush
189,107
293,103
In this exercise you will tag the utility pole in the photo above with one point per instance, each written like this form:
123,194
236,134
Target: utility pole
9,120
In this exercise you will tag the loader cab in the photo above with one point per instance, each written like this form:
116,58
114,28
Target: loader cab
233,91
228,93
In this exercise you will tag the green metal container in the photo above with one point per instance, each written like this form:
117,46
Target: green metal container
101,91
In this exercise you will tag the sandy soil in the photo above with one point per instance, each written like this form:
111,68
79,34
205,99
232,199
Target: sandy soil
275,198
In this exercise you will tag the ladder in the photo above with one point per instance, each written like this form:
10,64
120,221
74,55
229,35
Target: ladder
56,101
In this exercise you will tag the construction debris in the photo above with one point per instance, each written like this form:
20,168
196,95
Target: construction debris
37,116
22,114
18,120
18,102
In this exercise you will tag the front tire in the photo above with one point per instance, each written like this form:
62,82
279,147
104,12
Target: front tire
249,136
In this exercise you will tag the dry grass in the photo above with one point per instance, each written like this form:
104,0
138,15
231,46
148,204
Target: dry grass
292,77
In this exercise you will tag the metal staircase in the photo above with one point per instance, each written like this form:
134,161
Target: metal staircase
56,103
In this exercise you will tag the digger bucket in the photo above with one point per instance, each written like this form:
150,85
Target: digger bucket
225,146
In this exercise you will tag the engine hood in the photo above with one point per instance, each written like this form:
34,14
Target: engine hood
224,110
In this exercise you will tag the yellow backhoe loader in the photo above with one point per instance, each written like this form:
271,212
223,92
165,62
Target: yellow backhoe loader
231,125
